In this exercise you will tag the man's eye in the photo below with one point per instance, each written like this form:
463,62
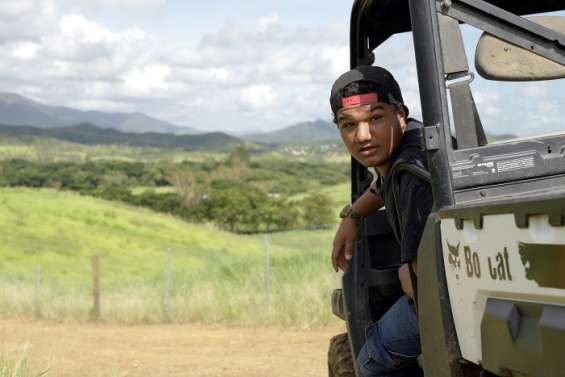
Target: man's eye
376,117
345,126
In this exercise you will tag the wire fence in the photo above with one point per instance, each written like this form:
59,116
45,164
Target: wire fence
97,293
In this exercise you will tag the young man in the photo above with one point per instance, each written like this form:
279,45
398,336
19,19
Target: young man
371,116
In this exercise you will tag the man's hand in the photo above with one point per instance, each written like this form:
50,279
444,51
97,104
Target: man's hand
405,279
346,234
344,242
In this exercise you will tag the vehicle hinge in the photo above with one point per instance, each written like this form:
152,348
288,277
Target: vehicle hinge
444,5
431,138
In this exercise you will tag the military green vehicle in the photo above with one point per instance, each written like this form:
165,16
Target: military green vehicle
491,266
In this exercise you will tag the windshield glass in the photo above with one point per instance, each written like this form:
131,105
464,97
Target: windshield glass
397,55
515,109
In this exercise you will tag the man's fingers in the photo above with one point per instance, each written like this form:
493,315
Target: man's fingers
335,256
344,264
348,250
339,259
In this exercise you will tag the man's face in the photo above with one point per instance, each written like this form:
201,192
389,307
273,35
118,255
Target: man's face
371,132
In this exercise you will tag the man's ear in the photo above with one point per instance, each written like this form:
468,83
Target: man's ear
401,110
401,117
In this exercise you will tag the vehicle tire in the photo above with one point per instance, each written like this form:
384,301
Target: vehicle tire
340,361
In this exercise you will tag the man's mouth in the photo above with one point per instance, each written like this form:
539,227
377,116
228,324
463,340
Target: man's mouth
369,149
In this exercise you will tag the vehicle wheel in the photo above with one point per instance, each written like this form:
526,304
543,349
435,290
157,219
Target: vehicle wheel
340,361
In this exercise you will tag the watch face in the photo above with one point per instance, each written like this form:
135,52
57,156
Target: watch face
354,215
346,211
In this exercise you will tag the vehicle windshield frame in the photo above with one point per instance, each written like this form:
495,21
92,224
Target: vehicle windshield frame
369,30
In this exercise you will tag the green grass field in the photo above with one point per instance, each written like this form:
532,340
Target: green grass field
217,276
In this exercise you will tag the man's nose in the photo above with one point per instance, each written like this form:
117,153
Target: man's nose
363,133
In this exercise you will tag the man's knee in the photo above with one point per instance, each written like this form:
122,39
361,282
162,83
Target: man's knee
367,366
391,348
377,362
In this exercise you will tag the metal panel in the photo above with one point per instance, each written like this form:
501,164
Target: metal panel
504,261
509,161
516,189
441,357
468,127
452,47
433,95
359,54
370,285
524,337
550,203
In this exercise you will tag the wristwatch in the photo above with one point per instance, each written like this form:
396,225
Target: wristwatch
348,211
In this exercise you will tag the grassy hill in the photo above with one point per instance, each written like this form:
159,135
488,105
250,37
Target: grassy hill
217,276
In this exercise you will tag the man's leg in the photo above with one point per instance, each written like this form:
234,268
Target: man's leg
393,344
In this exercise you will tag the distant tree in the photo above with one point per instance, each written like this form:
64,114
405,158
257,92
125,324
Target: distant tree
238,208
238,156
317,211
115,178
279,214
235,168
46,153
189,188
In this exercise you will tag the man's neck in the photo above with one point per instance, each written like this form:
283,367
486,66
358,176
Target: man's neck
383,169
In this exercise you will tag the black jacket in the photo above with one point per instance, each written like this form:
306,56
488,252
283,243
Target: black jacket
407,192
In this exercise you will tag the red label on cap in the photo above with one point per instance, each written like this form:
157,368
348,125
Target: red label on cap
360,99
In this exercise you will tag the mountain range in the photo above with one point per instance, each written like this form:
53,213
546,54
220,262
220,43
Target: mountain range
98,127
19,110
86,133
314,132
70,124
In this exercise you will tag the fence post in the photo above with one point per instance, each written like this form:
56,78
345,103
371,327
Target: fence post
267,269
37,290
168,285
95,313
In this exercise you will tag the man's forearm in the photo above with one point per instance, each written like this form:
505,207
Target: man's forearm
367,204
406,278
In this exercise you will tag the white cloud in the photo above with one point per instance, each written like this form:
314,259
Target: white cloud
260,75
338,57
257,97
84,31
116,3
261,71
268,24
10,9
255,76
24,50
240,76
147,78
534,90
83,41
22,20
488,102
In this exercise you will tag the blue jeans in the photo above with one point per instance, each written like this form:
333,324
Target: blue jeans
393,344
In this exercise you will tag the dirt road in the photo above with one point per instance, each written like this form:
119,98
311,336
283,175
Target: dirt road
166,350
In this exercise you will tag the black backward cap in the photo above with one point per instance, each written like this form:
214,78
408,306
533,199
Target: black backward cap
373,74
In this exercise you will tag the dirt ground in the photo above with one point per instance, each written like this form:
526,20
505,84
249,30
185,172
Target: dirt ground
166,350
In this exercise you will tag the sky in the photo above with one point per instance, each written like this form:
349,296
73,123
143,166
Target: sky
219,65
